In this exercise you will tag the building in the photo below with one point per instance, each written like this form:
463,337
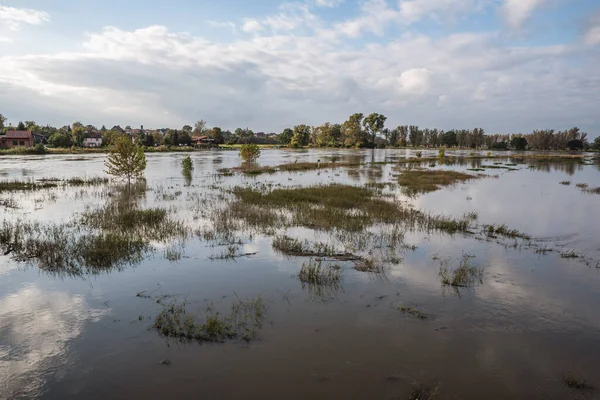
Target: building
16,139
203,141
93,140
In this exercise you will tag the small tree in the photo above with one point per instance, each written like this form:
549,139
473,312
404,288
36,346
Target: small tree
187,166
250,153
126,160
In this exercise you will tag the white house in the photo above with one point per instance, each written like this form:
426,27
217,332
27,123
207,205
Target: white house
94,140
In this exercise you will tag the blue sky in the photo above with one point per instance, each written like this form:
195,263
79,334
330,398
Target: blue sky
505,65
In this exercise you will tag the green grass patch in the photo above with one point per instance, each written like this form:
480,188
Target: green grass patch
423,181
242,322
502,230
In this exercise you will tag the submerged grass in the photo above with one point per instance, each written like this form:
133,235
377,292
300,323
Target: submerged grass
464,275
502,230
151,223
338,207
31,185
414,312
243,322
423,181
314,273
573,382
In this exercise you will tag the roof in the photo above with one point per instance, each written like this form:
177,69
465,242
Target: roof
19,135
94,136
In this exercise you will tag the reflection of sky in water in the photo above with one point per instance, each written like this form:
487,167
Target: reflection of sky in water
36,327
522,293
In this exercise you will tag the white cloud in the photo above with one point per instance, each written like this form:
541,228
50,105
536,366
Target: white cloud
415,10
328,3
415,81
5,39
251,26
592,36
519,11
13,18
377,15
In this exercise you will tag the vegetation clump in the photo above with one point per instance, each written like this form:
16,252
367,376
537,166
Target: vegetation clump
464,275
502,230
243,322
414,312
571,381
314,273
565,183
423,181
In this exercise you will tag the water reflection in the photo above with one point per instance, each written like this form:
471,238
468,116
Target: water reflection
36,327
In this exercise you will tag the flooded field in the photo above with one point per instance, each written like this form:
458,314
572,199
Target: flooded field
371,274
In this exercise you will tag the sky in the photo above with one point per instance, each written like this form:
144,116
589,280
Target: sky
508,66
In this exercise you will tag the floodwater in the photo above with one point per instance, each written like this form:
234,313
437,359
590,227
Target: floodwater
533,319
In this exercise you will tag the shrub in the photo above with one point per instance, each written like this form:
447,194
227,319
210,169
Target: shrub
442,153
419,154
187,165
250,153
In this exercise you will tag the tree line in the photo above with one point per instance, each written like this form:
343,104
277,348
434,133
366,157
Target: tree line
359,131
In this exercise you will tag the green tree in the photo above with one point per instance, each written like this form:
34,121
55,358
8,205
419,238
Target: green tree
285,137
60,139
301,136
217,134
324,135
2,121
171,138
187,128
374,124
110,138
185,139
353,134
596,144
518,142
249,153
21,126
126,160
414,136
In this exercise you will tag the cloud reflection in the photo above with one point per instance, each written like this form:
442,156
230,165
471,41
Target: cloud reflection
35,329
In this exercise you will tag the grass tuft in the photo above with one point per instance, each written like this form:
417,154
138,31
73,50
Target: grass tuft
314,273
464,275
414,312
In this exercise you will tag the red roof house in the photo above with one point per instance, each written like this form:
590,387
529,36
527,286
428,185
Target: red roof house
16,139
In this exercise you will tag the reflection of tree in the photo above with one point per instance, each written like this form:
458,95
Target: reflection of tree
36,328
321,292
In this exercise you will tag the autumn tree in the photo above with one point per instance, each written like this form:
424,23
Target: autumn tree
126,160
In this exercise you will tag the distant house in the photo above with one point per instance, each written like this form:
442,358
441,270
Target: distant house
38,138
16,139
118,128
93,140
202,141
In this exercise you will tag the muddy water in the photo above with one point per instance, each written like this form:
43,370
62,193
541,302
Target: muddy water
534,318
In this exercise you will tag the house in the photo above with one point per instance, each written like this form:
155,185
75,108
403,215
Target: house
16,139
38,138
93,140
202,141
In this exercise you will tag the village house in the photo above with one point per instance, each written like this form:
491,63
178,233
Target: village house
16,139
93,140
